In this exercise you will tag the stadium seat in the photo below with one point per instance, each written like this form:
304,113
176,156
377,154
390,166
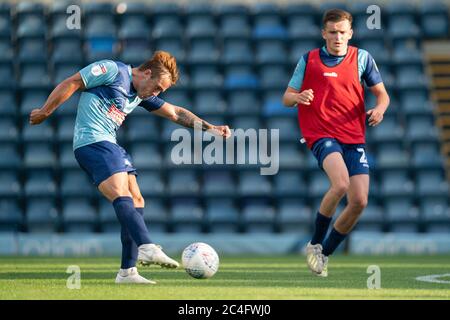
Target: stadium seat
145,155
396,184
243,102
40,184
186,216
5,29
41,215
254,184
258,216
63,72
431,183
65,127
182,183
39,155
237,51
302,28
218,183
199,27
318,184
426,156
401,215
150,183
34,77
167,28
11,217
291,157
235,27
222,216
294,216
32,27
273,105
142,129
75,183
8,130
59,29
421,129
33,51
287,126
8,104
67,157
7,77
290,184
372,219
209,102
9,185
10,156
132,28
433,19
390,130
206,77
389,156
270,52
42,133
79,215
273,76
67,51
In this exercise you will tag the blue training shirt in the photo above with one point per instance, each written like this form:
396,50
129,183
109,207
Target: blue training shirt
109,97
367,68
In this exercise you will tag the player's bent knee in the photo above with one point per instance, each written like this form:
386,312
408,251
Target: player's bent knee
359,202
341,187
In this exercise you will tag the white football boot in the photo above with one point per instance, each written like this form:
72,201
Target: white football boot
324,272
314,257
151,253
131,276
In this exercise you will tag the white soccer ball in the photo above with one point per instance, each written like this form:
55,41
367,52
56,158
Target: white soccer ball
200,260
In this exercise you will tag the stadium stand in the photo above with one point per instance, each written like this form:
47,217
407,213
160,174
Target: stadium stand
236,61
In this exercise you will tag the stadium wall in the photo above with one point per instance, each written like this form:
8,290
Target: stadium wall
359,243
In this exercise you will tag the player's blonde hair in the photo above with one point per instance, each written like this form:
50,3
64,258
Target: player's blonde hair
162,63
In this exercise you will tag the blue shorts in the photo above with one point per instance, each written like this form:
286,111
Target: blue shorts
102,159
354,154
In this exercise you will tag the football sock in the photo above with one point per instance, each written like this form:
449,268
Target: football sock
131,219
129,247
322,224
332,242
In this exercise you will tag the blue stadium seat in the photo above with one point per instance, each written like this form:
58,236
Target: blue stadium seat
135,54
435,210
318,184
178,97
299,48
258,216
426,156
235,27
186,216
209,102
63,72
167,28
377,50
141,129
156,216
291,157
67,51
33,51
372,219
135,9
9,184
41,215
407,55
243,102
434,19
40,184
290,184
390,156
145,155
240,80
97,9
245,123
42,133
402,215
273,76
168,127
5,28
66,157
174,46
218,183
431,183
7,77
6,53
150,183
362,32
294,216
401,27
200,27
10,156
39,155
11,217
273,105
183,183
390,130
254,184
79,215
396,184
202,51
134,28
206,77
415,102
287,126
302,28
59,29
32,27
34,77
237,51
222,216
8,130
75,183
65,129
421,129
107,218
270,52
25,9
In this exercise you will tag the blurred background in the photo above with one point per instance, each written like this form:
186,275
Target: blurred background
236,59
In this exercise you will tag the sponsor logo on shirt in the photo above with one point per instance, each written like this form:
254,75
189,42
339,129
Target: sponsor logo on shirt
98,69
116,115
330,74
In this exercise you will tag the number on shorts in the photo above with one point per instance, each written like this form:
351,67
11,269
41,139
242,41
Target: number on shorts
363,158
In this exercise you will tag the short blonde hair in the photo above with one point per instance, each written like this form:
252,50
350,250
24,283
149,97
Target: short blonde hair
162,63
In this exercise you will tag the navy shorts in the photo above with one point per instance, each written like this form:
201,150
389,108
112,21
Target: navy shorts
102,159
354,154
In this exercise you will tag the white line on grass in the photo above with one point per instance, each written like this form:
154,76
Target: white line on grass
434,278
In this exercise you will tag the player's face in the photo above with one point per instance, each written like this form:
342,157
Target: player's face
337,35
154,86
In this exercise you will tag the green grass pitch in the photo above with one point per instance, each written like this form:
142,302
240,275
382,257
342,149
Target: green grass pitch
242,278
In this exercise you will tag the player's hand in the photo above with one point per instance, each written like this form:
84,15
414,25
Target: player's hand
37,116
305,97
223,131
375,117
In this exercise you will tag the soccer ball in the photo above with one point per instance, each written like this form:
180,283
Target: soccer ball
200,260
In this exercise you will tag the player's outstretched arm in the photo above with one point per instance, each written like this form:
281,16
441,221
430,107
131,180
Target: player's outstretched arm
376,114
59,95
187,119
292,97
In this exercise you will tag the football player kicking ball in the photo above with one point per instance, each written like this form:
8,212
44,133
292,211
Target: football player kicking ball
327,88
111,90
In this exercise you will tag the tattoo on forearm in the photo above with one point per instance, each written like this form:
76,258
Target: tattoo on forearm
188,119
